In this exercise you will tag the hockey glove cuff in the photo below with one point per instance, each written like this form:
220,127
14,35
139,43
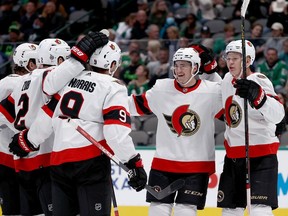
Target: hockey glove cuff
281,127
136,174
83,50
20,144
208,63
251,91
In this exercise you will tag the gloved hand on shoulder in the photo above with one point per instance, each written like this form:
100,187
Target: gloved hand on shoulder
136,174
208,63
83,49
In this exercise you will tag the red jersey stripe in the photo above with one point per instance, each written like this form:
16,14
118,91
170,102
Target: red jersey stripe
183,166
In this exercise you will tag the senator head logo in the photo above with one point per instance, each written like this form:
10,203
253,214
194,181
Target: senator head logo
183,121
233,112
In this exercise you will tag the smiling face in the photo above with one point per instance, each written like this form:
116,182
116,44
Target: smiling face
183,71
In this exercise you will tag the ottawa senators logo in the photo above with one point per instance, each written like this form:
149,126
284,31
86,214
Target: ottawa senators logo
112,46
249,44
262,76
183,121
57,41
220,196
32,47
233,112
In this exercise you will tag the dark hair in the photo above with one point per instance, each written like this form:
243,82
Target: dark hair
146,69
134,52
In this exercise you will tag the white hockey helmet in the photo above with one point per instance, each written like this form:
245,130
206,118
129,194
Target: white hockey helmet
23,53
190,55
236,46
51,49
187,54
104,56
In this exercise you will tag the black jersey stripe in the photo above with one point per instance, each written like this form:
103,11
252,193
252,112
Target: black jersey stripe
7,108
51,106
141,104
117,115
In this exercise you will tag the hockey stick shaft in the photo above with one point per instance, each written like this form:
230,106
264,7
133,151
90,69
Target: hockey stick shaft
157,194
246,126
114,201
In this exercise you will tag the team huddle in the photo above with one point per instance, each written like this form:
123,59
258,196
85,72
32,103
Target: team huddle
47,167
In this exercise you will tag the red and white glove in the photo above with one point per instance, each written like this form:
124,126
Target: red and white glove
136,174
83,50
20,144
208,63
252,91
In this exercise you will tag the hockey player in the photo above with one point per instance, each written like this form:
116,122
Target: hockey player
264,111
24,58
29,97
185,108
26,99
81,172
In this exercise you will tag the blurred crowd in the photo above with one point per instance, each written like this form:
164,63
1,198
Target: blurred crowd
150,31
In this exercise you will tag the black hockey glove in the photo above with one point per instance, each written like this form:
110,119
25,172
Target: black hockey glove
83,50
208,63
252,91
20,144
137,175
281,127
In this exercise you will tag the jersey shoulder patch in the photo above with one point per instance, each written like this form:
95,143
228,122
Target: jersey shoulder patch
13,75
261,76
119,82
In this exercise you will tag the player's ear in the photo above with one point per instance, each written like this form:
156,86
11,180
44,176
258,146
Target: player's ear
60,60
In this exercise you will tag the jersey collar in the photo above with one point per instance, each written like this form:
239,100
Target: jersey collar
186,89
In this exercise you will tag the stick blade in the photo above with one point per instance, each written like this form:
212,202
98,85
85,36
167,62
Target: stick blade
174,186
244,7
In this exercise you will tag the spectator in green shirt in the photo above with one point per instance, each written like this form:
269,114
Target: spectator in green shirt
284,55
274,69
128,73
139,85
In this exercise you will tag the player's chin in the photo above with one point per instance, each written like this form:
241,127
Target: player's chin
180,81
234,73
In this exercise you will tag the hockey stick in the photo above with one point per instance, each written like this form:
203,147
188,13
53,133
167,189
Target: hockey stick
114,201
176,185
246,129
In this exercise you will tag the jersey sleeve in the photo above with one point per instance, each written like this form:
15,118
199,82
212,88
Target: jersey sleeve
42,128
56,79
214,77
7,110
218,102
138,105
7,113
7,85
145,103
272,110
117,123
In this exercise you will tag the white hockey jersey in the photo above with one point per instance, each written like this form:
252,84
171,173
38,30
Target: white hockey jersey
99,104
7,85
185,130
261,122
22,106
